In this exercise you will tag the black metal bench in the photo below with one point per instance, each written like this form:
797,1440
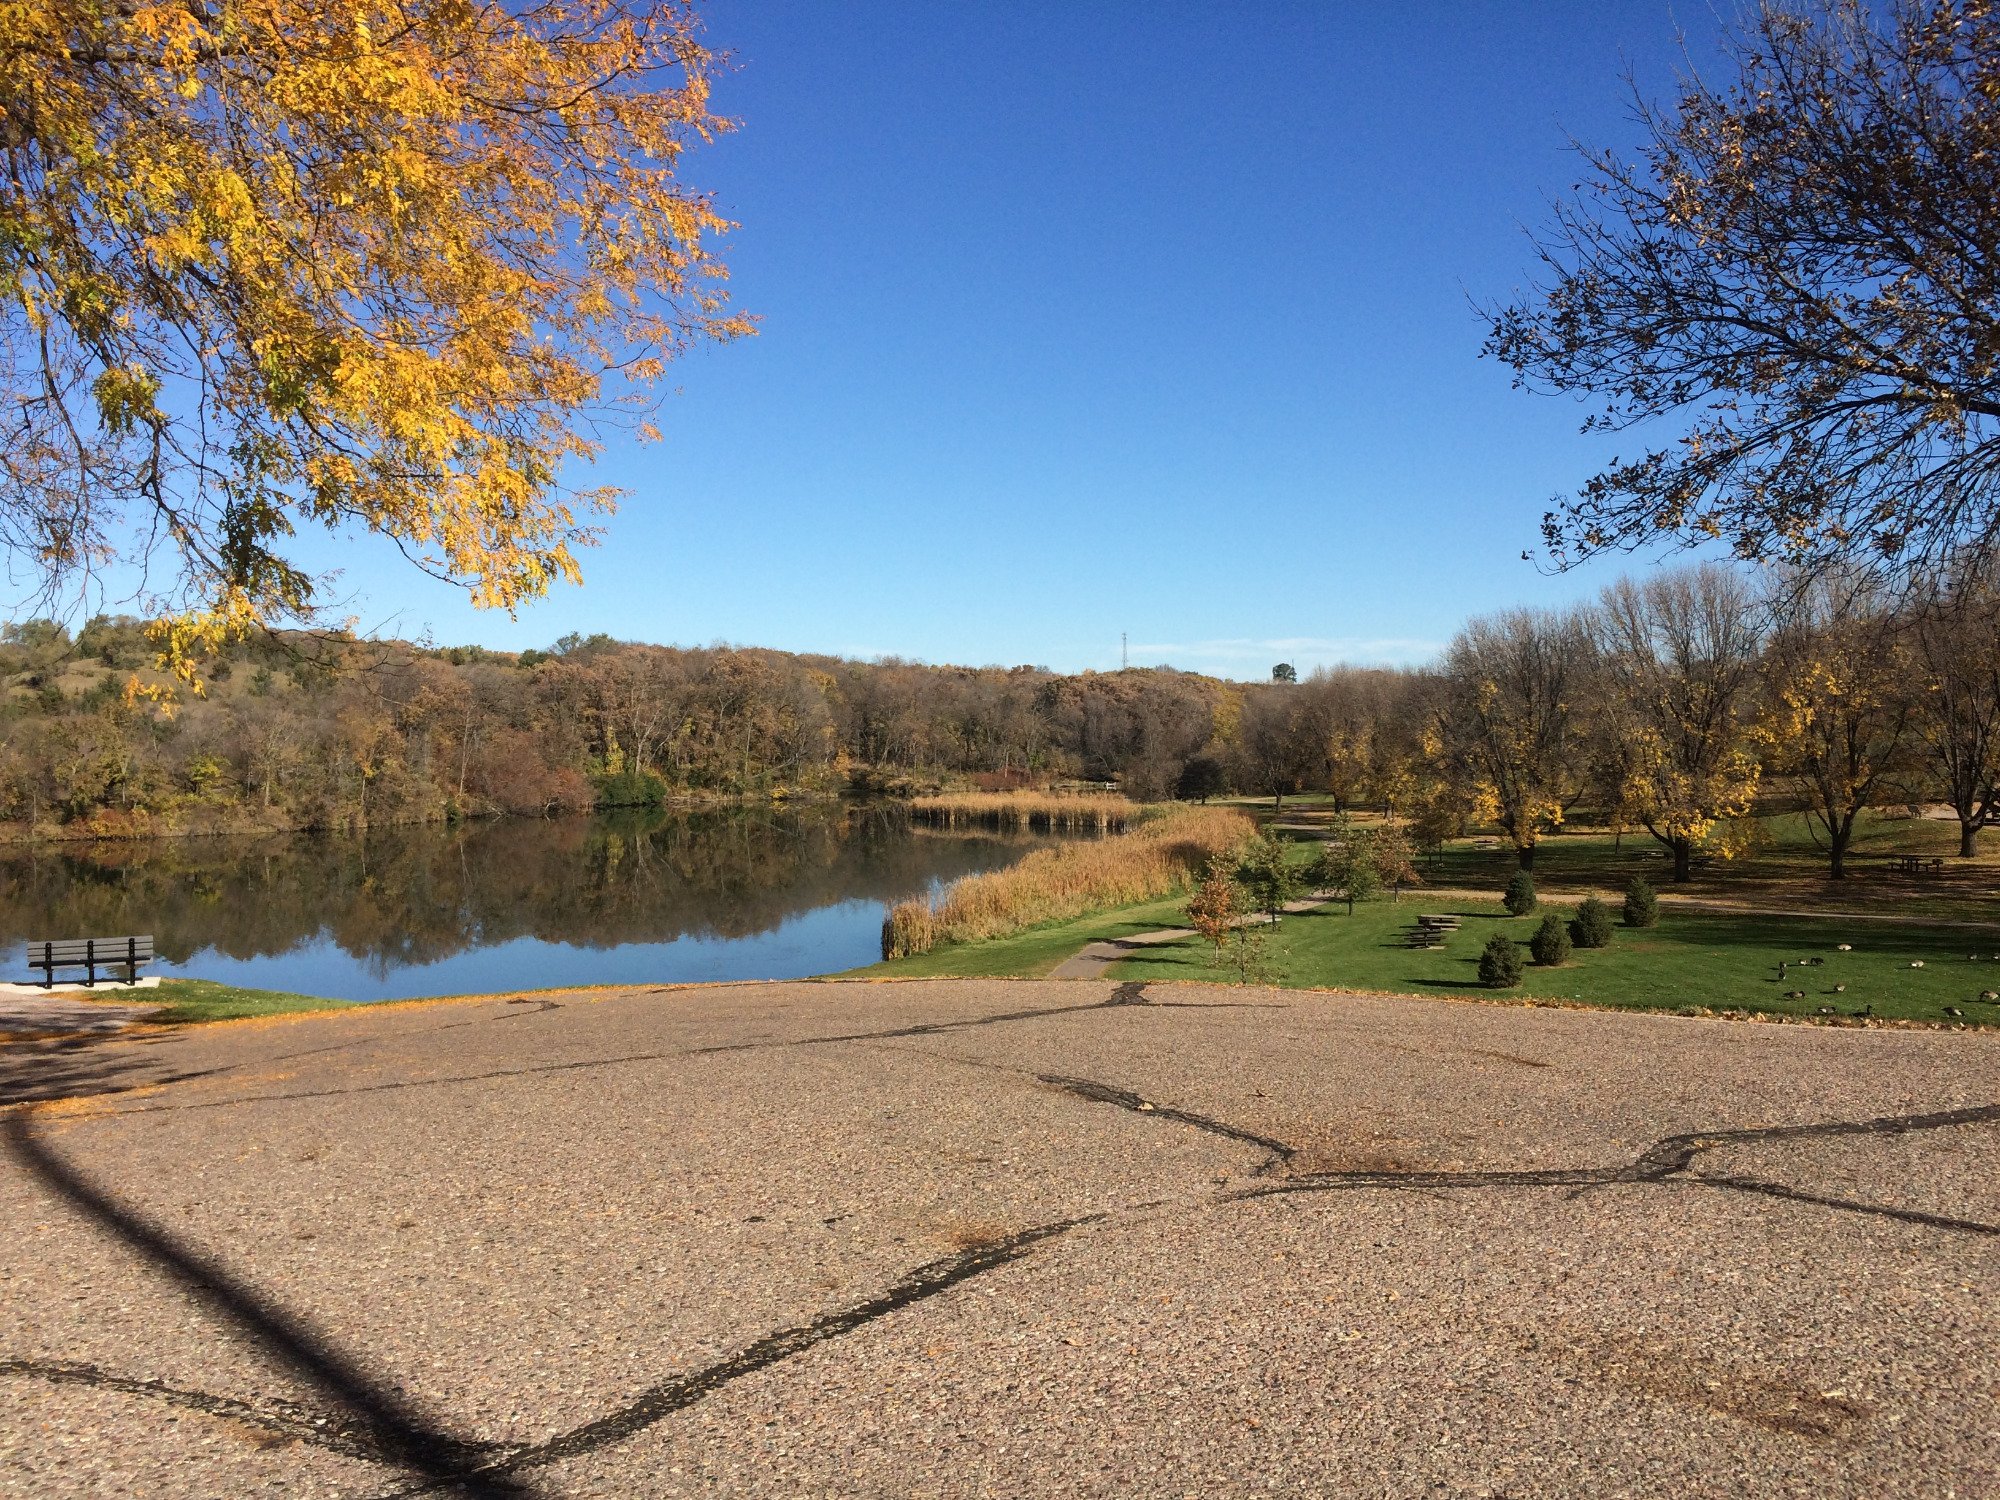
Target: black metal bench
90,954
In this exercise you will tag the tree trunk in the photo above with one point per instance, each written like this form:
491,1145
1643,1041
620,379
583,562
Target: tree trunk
1968,838
1683,859
1837,863
1525,853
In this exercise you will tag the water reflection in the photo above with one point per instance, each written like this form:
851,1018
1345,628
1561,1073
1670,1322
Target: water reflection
519,902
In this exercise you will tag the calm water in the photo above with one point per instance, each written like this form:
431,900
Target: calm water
515,903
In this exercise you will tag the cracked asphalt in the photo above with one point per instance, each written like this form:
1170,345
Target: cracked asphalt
966,1237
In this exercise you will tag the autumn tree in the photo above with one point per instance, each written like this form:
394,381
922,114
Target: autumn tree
1795,277
338,263
1680,654
1278,748
1511,718
1838,703
1956,640
1213,908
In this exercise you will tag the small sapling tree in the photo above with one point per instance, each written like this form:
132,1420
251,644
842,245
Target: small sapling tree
1520,894
1266,870
1348,864
1395,858
1213,909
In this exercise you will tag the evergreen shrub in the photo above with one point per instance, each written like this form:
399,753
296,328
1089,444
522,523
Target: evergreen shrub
1520,897
1592,927
1500,966
1642,907
1550,944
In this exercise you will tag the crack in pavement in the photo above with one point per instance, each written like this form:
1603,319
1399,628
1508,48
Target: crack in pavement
1104,1093
1669,1161
670,1396
284,1420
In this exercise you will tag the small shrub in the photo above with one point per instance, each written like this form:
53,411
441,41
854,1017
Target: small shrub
1642,907
1520,897
1213,909
1592,927
1550,944
1500,965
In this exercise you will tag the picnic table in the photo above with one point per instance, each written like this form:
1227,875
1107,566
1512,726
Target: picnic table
1431,929
1918,864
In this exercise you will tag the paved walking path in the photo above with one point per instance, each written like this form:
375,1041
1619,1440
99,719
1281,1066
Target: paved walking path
1093,959
976,1238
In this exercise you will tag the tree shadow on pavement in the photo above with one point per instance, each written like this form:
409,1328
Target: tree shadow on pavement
387,1426
36,1069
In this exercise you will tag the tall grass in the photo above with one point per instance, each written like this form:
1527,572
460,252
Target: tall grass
1162,852
1050,812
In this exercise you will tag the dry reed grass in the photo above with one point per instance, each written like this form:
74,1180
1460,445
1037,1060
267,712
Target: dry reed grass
1163,852
1051,812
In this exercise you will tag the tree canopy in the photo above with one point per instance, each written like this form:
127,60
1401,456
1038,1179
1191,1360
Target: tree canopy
336,262
1799,276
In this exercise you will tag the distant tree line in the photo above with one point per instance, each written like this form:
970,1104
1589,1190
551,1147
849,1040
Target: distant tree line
1674,706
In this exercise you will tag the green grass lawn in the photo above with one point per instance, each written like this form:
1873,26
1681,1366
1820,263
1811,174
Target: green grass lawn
205,1000
1689,961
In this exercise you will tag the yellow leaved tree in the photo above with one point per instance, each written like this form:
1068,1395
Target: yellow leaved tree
351,263
1679,653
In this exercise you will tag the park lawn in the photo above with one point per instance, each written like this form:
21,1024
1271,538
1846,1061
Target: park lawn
1030,954
205,1000
1788,872
1689,962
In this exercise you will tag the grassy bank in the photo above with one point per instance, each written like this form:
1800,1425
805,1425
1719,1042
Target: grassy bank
1156,857
204,1000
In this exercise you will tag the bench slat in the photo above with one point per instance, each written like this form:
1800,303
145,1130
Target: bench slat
80,946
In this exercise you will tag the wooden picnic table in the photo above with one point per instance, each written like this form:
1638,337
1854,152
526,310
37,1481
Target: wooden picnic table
1919,864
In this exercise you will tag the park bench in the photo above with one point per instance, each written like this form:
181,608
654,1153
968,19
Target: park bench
89,955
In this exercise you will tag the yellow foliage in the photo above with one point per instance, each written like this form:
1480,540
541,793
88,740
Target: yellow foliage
347,262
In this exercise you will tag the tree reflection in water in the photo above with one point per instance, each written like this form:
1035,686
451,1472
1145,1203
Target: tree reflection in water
398,898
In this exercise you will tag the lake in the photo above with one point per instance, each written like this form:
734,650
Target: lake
518,903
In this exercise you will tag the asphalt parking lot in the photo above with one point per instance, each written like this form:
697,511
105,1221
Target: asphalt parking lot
967,1237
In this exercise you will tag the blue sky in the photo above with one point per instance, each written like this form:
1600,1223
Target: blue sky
1084,318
